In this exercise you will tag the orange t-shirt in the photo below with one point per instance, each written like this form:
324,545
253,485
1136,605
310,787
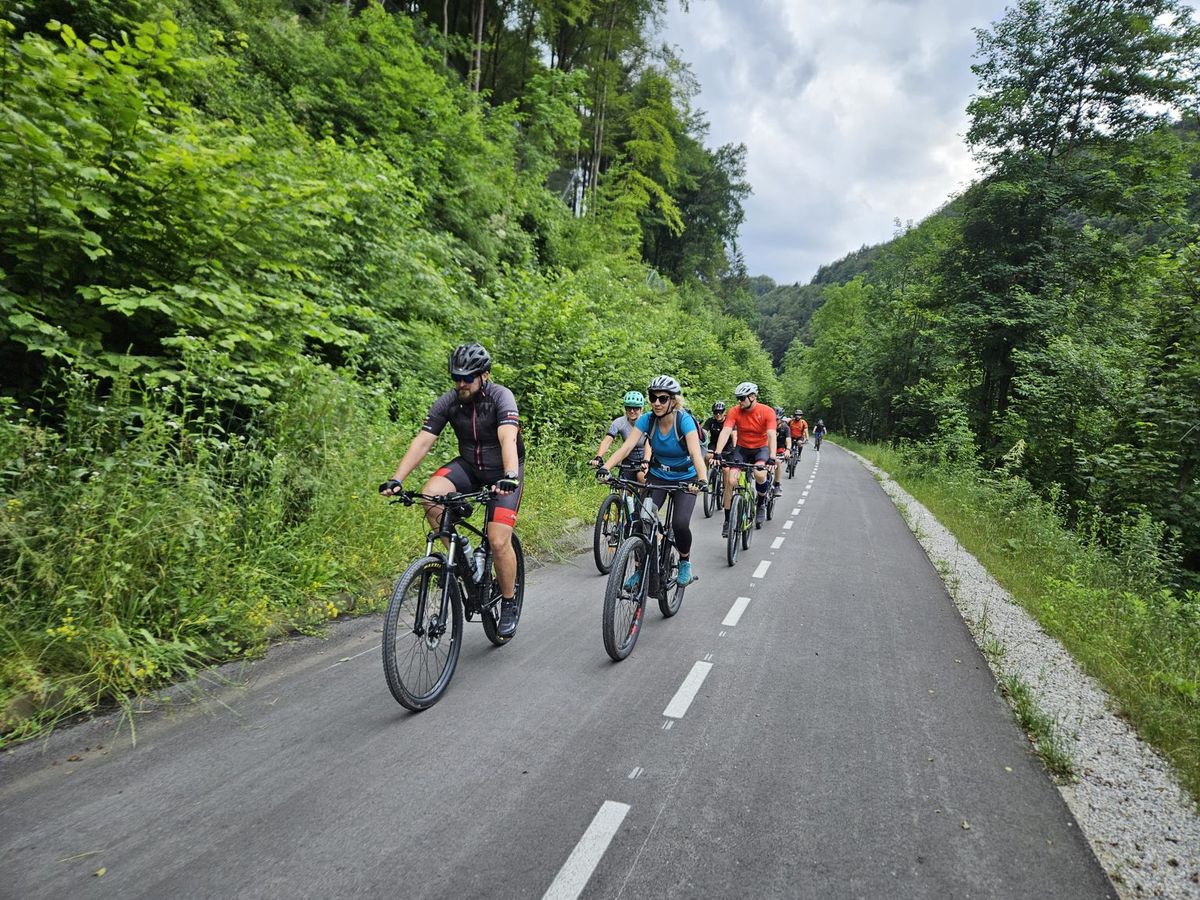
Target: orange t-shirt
752,425
799,429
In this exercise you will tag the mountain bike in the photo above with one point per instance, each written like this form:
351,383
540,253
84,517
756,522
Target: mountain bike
423,626
741,512
793,459
817,442
771,498
646,563
614,523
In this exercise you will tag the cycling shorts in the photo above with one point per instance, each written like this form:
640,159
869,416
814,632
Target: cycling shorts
747,455
466,478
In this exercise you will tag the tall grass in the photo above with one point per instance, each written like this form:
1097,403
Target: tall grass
1103,590
163,529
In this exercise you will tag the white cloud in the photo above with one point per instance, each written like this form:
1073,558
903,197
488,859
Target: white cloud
852,113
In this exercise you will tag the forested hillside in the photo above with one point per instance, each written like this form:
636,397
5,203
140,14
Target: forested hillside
1046,323
238,239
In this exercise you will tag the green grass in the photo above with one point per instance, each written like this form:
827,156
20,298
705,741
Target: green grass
144,542
1106,605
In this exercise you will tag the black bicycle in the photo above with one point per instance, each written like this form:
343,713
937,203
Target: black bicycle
647,562
793,459
422,631
817,442
614,523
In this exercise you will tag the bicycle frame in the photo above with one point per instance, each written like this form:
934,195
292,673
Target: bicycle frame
453,517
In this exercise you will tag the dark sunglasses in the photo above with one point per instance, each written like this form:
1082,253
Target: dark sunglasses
465,379
633,408
660,398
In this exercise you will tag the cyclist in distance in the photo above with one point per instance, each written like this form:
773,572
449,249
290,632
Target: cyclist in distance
621,426
755,424
818,433
676,458
799,431
783,446
485,420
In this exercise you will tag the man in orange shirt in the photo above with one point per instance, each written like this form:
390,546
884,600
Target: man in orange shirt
756,438
799,432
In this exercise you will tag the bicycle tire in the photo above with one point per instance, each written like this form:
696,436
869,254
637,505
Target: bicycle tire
770,508
489,618
670,595
711,499
610,521
404,665
735,528
750,524
624,608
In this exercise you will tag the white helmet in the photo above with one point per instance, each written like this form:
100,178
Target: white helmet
745,389
665,383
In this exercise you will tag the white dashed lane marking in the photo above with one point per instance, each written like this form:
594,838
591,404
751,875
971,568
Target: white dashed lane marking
761,571
573,877
735,611
777,543
687,691
788,524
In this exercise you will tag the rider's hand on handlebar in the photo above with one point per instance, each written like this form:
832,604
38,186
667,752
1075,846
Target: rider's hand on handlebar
595,461
506,485
391,487
602,474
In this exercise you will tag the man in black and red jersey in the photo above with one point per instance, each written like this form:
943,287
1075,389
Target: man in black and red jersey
485,420
755,426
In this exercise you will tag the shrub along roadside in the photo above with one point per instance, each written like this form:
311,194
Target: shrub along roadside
148,540
1108,606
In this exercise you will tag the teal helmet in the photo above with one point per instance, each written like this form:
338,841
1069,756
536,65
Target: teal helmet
635,398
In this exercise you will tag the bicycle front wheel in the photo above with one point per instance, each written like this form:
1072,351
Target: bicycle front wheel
712,498
490,617
735,530
625,597
749,512
422,634
606,536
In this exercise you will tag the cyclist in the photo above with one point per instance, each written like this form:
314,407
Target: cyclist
755,424
677,457
818,433
799,431
713,424
635,465
485,420
783,445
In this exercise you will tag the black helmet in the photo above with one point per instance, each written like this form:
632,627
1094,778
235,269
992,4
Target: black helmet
718,407
470,359
779,410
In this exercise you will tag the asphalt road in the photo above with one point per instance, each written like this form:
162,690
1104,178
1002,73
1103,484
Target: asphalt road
835,734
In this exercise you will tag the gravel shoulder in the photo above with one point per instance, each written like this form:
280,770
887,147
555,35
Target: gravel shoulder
1141,824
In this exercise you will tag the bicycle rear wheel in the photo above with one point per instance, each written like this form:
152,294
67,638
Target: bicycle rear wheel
625,597
490,615
606,536
670,594
421,651
735,530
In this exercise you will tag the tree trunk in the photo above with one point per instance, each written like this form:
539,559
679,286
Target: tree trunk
477,62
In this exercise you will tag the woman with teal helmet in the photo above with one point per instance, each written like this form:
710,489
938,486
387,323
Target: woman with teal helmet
637,461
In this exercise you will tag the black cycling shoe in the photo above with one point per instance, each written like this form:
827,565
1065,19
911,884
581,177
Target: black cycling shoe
761,515
725,529
508,618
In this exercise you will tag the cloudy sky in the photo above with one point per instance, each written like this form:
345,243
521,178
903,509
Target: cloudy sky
852,111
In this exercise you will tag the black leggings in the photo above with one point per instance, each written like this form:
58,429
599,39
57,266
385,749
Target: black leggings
681,519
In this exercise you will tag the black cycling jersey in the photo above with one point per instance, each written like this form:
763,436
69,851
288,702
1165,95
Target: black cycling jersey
713,429
476,424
